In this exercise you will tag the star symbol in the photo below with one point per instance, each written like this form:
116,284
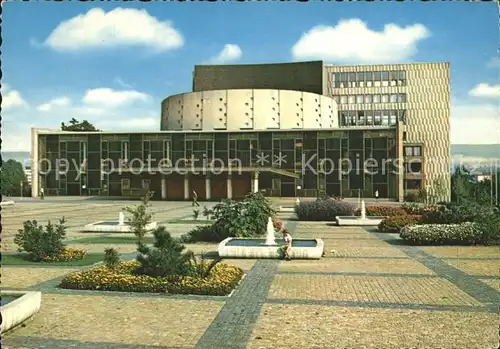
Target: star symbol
279,159
262,159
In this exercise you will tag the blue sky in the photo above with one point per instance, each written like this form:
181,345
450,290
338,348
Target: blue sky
101,68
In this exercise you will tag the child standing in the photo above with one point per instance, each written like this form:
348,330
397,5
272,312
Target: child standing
287,238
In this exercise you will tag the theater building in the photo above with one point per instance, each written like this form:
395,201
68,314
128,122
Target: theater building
292,129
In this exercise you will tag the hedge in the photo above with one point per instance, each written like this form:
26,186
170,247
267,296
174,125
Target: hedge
221,280
394,224
442,234
382,211
323,210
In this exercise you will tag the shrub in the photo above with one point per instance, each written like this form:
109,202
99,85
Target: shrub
442,234
246,218
394,224
41,243
412,208
451,214
111,258
166,257
382,211
67,254
488,222
323,210
140,217
413,196
220,280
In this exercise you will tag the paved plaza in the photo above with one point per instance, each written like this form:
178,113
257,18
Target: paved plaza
369,291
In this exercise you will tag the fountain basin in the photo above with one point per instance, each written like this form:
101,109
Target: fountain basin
17,307
286,209
114,227
7,203
257,249
358,221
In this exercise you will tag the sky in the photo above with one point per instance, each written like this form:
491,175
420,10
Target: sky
113,63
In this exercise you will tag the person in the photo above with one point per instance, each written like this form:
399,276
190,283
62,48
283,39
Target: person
41,193
376,194
195,198
287,238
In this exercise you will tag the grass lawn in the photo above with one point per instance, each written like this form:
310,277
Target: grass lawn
18,259
112,240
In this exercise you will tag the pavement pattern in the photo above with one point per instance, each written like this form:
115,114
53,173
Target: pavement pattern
369,291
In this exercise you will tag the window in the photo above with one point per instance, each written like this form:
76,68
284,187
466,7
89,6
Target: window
405,136
166,150
385,98
394,98
394,77
369,78
124,150
352,79
343,99
336,80
343,118
385,78
413,184
125,183
376,78
359,99
369,117
351,99
402,78
361,118
413,167
368,99
393,117
417,151
336,99
352,116
360,77
376,98
385,117
402,116
408,151
413,151
378,118
343,80
401,98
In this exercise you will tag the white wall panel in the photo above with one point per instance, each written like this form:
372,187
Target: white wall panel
191,111
240,109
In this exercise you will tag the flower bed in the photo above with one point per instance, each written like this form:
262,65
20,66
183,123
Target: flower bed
221,280
442,234
67,254
394,224
382,211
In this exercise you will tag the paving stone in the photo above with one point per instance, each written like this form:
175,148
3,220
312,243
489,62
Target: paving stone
21,277
463,251
476,267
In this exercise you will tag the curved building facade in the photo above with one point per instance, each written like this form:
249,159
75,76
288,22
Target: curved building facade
248,109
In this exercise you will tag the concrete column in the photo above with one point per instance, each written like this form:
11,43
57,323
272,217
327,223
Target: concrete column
255,186
34,163
208,187
229,187
186,187
164,188
400,152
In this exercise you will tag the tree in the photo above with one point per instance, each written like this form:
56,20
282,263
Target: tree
75,125
11,176
140,217
461,184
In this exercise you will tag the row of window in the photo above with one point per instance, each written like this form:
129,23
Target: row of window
371,98
413,150
369,79
371,117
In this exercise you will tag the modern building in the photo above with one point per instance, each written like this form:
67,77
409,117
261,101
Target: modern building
292,129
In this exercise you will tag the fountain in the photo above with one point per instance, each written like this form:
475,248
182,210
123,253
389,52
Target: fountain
362,220
119,226
269,248
121,218
17,307
270,241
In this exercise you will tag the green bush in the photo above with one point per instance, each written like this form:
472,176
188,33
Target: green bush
323,209
41,243
452,214
442,234
111,258
394,224
218,281
413,196
382,211
140,217
246,218
488,221
166,257
412,208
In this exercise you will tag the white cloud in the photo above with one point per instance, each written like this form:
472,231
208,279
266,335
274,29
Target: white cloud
229,53
54,103
475,124
118,27
107,97
486,91
11,98
351,41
